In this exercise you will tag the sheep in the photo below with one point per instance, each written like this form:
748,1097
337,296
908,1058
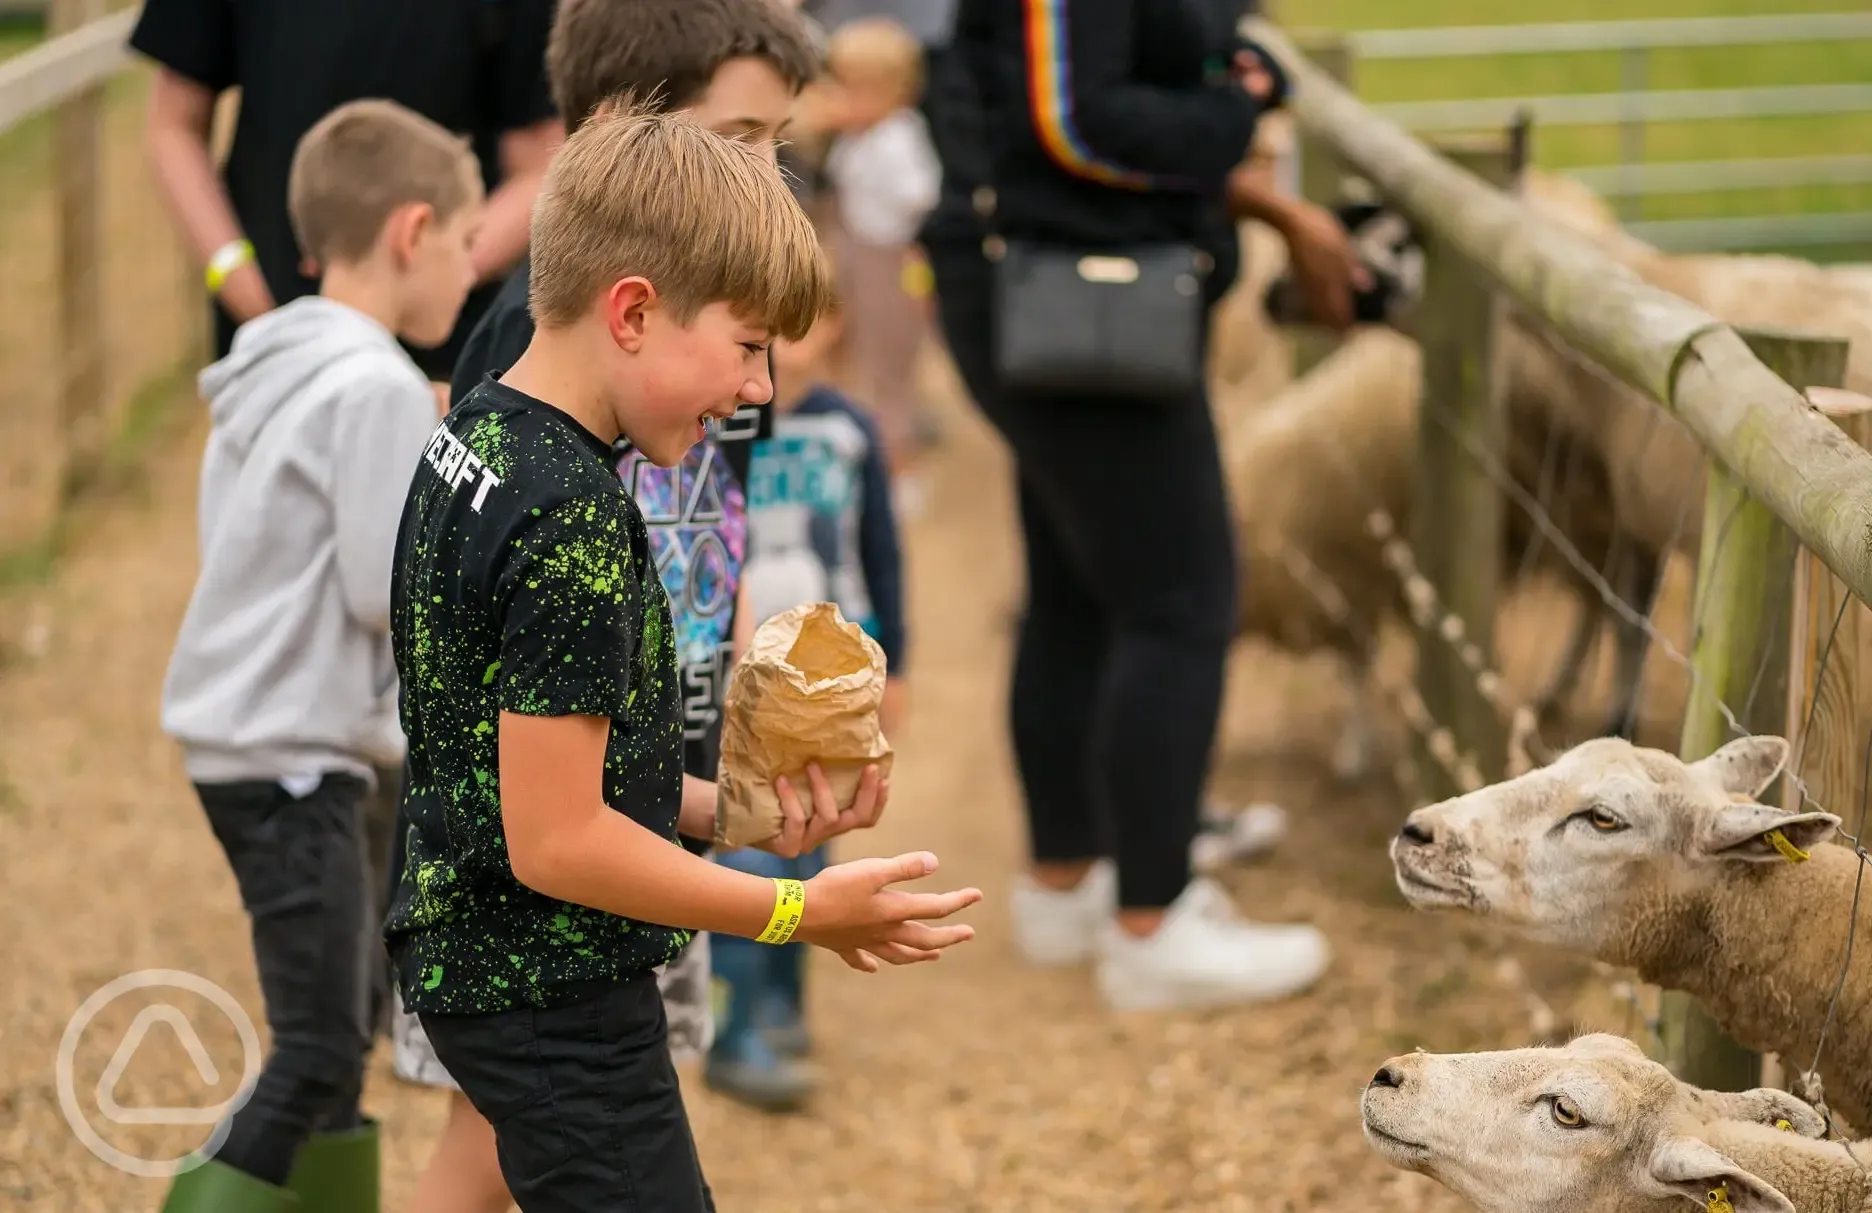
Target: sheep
1308,466
1652,464
1304,470
1673,869
1632,486
1597,1127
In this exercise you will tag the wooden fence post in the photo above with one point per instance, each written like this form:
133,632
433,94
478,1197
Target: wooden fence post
1826,706
1745,574
1457,516
78,169
1322,173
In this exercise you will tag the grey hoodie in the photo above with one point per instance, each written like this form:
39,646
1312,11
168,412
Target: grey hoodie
283,670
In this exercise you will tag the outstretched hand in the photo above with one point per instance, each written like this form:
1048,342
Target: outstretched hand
1324,264
803,829
852,910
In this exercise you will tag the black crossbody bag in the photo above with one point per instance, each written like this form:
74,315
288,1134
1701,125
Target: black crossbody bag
1122,321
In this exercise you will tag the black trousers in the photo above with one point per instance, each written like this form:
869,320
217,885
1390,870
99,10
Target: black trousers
1130,606
587,1113
301,867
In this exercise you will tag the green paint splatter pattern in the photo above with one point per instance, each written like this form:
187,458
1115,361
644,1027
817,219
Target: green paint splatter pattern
545,601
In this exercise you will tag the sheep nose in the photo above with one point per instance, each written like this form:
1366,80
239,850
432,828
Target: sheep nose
1388,1076
1417,831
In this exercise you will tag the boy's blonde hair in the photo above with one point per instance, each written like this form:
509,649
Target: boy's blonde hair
877,50
362,161
706,219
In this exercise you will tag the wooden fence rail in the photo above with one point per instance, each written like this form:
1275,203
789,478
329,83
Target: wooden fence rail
1796,462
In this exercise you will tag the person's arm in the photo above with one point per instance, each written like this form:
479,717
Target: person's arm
1096,122
379,434
567,660
880,552
502,237
192,44
1321,258
529,131
564,842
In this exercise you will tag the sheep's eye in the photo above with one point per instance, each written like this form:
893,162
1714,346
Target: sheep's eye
1604,820
1565,1114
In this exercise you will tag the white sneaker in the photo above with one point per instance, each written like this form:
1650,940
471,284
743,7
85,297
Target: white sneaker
1061,928
1204,956
1226,837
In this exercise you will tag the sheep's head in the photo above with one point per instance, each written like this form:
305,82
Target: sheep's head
1561,852
1593,1127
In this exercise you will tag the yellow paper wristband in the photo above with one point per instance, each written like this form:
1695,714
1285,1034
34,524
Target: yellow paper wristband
225,260
789,905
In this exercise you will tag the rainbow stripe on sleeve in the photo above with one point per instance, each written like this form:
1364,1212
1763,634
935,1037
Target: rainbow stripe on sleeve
1049,95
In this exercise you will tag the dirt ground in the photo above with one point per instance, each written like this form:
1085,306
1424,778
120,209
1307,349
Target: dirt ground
973,1084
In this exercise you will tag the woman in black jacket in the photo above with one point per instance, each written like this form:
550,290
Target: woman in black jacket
1106,123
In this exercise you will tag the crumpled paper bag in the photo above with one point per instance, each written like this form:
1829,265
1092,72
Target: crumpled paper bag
808,690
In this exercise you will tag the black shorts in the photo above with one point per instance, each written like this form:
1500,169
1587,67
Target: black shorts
588,1116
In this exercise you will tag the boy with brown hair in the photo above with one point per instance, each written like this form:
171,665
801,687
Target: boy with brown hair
735,66
281,688
533,636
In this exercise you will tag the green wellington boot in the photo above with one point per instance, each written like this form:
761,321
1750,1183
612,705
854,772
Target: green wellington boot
338,1172
215,1187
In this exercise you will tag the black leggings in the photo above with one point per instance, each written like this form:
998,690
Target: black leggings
1130,607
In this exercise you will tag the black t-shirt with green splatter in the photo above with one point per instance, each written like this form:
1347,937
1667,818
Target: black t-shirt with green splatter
523,582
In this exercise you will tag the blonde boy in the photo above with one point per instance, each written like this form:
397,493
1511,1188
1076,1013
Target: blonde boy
543,882
281,688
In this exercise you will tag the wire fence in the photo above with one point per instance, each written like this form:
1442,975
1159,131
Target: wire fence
1566,506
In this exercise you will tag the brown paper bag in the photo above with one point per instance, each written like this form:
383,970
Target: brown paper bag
808,690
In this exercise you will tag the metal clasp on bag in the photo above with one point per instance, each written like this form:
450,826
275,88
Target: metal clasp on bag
1095,268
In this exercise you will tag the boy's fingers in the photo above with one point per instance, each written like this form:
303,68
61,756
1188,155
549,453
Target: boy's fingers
792,819
904,954
934,905
873,791
825,810
925,937
859,959
912,866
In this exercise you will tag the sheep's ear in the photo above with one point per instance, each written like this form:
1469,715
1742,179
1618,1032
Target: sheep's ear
1692,1169
1746,766
1758,833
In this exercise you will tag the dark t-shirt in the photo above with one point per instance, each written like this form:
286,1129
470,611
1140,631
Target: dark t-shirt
475,66
696,511
523,582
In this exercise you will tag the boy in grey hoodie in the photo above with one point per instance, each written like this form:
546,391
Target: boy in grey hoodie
282,687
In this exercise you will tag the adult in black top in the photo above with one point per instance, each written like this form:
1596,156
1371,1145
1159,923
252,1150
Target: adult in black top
1110,122
475,66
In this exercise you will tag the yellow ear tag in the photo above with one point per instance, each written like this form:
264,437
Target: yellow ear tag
1792,853
1719,1200
1785,1126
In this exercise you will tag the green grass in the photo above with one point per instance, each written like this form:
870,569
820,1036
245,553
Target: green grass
1559,148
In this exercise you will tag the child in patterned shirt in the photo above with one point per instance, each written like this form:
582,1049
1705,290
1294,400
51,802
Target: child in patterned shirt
820,529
